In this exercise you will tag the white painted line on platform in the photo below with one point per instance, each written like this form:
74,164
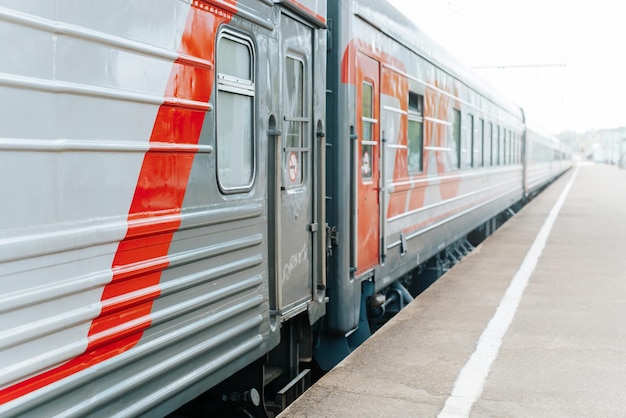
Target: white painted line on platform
471,379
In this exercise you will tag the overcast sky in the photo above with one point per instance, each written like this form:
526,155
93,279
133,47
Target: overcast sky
576,50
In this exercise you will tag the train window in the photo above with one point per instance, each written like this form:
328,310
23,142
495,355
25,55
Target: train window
480,140
415,103
495,152
295,117
504,149
487,143
512,142
234,112
501,136
513,148
367,160
415,133
455,146
509,148
469,153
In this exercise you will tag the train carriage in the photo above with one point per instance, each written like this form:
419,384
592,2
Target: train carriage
545,159
424,150
149,194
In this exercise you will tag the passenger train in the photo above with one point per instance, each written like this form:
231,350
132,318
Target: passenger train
211,195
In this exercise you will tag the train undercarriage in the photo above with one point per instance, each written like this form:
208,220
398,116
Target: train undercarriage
270,384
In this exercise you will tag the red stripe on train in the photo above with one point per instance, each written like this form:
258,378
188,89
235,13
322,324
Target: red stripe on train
154,213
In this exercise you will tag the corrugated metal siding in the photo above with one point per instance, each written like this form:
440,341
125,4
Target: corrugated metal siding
80,105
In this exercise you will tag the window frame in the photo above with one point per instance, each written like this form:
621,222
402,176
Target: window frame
481,142
470,156
368,178
457,134
415,115
489,140
228,83
304,145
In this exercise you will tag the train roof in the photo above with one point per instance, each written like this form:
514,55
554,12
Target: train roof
389,20
539,131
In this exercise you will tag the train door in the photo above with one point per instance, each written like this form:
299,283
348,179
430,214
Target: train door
368,163
294,224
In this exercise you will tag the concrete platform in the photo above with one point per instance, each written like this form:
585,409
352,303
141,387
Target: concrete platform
562,352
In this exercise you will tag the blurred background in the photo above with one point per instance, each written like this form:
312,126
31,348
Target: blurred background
564,62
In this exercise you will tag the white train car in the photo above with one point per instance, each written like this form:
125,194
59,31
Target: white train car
545,158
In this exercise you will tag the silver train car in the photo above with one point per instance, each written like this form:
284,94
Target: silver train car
161,229
212,195
423,152
545,158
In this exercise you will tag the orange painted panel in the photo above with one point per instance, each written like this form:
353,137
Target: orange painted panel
368,163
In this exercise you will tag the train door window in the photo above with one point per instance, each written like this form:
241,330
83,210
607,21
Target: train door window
488,139
415,133
455,146
480,141
470,162
295,118
235,112
367,120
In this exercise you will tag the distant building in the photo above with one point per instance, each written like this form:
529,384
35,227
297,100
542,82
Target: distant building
606,146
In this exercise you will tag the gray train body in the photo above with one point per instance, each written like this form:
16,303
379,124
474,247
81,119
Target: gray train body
207,194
